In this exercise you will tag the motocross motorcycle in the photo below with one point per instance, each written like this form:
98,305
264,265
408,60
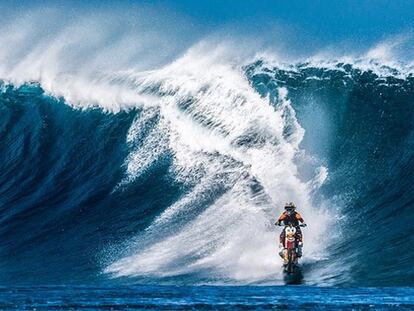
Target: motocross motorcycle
292,248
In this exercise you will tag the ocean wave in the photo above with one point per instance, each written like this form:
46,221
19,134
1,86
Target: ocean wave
175,172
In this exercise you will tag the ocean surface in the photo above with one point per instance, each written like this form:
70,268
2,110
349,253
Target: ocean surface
205,298
159,188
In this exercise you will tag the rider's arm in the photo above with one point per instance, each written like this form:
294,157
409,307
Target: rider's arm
281,218
299,217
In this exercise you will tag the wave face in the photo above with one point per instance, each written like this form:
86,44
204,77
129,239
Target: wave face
175,175
359,123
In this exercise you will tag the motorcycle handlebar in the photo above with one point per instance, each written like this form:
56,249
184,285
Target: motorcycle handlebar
283,224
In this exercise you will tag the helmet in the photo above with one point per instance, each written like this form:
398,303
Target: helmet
290,206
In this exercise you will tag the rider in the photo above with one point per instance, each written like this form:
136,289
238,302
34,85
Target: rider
290,216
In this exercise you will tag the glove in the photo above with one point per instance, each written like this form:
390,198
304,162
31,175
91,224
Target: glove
304,225
281,246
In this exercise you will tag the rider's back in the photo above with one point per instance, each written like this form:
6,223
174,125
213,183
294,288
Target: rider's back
293,218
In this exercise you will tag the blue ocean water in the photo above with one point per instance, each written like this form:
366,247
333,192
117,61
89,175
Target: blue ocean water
129,188
205,298
71,198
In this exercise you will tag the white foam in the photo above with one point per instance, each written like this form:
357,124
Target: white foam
234,236
86,58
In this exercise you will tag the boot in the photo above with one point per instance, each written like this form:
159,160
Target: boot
299,254
285,257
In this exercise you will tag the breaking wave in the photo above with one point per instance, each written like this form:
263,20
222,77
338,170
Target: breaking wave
176,173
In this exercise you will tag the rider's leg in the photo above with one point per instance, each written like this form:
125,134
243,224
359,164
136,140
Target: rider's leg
300,250
282,238
283,250
299,238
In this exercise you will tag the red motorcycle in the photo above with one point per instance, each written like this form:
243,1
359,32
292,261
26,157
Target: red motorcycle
292,248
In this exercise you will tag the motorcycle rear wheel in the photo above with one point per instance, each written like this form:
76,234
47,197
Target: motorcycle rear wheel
291,265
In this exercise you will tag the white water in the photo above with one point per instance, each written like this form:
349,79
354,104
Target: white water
234,237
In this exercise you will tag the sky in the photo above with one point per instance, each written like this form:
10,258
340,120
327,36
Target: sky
302,26
327,20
